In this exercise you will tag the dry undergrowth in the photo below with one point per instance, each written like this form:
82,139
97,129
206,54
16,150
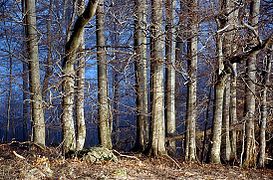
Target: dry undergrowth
30,162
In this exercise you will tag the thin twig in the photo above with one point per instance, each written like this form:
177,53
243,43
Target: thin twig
127,156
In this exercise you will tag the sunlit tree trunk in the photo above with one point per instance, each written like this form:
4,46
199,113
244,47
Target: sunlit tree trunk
170,73
265,81
72,46
35,84
104,116
250,148
157,120
141,74
192,85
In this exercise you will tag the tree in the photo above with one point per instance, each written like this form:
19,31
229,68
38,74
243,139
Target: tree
157,146
219,93
192,85
267,63
34,80
71,48
250,148
103,112
141,75
170,73
80,73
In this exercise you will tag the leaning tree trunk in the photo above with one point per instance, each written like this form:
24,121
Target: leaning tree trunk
192,86
104,116
250,148
141,74
170,74
80,73
265,82
71,48
35,84
157,120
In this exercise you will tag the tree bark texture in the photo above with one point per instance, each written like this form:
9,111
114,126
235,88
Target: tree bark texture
71,48
170,73
35,84
192,86
157,119
250,148
80,73
141,74
265,81
104,115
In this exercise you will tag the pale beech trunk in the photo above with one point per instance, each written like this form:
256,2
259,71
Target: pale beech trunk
141,74
35,84
226,119
80,73
233,115
157,121
72,46
265,82
218,104
170,73
103,116
192,87
250,148
233,19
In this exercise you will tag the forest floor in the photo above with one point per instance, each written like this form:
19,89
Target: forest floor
18,161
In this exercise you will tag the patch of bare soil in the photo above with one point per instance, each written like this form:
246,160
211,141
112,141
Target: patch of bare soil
27,161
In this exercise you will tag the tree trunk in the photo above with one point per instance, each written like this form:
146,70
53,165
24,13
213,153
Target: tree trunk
71,48
226,118
104,116
170,73
157,119
35,85
192,86
218,104
250,154
141,75
265,82
233,115
80,73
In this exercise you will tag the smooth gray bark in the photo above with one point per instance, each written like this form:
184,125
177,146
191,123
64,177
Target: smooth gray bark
72,46
157,119
80,73
141,74
192,85
250,148
35,84
104,114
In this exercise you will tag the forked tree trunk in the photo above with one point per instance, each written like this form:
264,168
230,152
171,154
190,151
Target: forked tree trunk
250,148
104,115
80,73
35,84
192,86
157,120
141,75
72,46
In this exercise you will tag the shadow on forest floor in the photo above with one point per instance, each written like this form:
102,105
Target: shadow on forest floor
28,161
